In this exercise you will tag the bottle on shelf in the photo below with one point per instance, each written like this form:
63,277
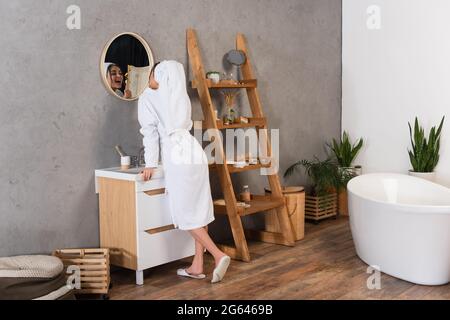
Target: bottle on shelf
245,194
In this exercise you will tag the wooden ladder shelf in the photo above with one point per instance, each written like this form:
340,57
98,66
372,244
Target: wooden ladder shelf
258,203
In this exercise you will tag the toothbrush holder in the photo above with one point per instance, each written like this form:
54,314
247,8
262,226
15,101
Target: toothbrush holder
125,162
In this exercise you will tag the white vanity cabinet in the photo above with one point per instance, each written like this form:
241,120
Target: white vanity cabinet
135,222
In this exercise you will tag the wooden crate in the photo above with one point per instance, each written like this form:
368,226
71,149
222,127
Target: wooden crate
318,208
94,268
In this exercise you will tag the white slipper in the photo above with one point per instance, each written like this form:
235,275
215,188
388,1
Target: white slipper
221,269
184,273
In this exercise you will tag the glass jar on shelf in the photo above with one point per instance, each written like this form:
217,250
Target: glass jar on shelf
245,194
229,116
229,102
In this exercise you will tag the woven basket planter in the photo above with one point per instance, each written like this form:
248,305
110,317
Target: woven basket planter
322,207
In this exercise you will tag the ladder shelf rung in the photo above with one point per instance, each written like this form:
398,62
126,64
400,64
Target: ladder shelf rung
258,203
233,169
224,84
252,122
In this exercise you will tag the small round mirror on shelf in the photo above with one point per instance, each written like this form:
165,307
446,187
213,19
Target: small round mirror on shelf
125,66
236,57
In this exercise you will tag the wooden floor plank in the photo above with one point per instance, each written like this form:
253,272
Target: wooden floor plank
323,265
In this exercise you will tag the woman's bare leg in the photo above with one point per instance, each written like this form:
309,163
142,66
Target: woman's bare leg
201,235
197,262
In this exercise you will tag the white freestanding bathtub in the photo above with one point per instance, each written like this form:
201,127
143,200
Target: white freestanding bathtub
401,224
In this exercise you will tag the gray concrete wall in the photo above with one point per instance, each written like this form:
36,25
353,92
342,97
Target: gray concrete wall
58,123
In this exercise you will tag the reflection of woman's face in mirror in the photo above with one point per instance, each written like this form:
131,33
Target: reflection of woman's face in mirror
115,77
124,66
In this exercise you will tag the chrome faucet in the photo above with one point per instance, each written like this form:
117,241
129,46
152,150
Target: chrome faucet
141,158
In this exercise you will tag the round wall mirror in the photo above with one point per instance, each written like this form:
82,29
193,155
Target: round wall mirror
125,66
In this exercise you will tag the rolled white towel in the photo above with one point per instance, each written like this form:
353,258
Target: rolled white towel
30,266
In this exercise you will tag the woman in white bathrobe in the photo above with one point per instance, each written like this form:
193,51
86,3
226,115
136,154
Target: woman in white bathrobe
165,118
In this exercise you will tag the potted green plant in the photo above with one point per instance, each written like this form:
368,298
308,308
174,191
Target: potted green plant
214,76
326,179
345,153
424,155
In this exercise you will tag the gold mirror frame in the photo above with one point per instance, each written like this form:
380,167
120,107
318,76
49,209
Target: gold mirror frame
151,61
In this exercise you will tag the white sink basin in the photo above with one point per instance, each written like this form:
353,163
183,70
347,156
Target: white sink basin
129,171
132,174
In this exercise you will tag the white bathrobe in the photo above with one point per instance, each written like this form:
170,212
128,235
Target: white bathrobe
165,118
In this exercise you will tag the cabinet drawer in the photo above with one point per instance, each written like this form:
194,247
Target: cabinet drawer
152,209
163,247
153,183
